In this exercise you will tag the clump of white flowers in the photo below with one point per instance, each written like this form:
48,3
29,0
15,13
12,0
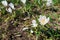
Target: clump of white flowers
23,1
11,6
34,24
4,3
43,20
49,3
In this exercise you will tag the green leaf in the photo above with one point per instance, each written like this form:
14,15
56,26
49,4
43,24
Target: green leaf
55,2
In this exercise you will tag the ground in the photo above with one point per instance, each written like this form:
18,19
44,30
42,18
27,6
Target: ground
11,24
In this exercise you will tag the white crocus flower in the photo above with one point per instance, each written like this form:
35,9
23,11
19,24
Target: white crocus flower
31,31
49,3
34,24
4,3
9,10
23,1
43,20
25,28
11,5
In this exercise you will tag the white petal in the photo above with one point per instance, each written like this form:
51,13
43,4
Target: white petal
4,3
40,16
34,25
11,5
33,21
49,2
25,28
47,20
44,17
9,10
23,1
31,31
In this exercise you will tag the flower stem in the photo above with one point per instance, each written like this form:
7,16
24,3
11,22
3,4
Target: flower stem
36,37
44,27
